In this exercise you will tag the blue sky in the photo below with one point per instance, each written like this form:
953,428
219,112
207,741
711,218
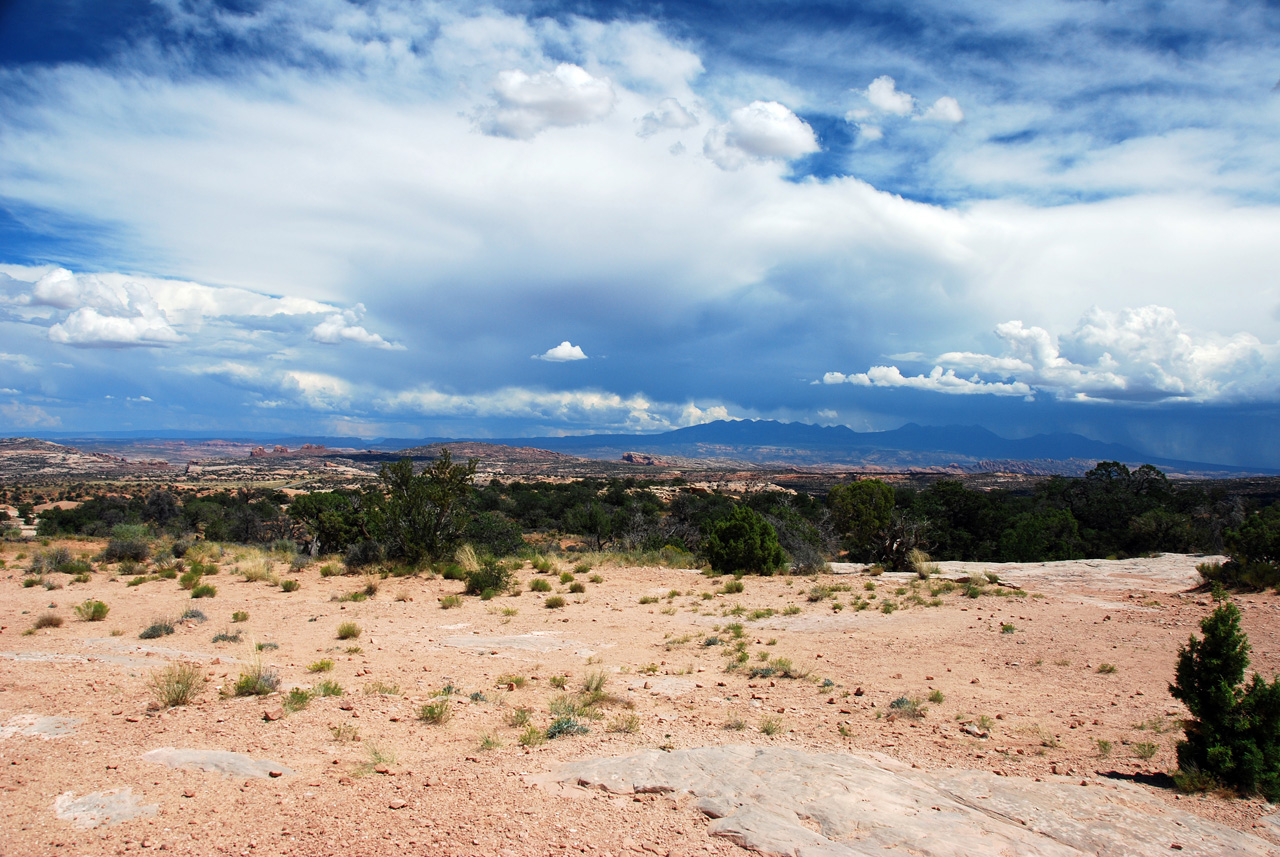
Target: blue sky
504,219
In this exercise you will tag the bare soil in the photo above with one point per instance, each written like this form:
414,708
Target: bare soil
370,778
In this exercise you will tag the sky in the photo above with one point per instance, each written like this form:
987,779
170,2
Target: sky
508,219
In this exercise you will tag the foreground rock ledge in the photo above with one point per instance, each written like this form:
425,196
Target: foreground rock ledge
780,801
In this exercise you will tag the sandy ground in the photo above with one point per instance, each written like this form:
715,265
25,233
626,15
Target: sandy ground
370,778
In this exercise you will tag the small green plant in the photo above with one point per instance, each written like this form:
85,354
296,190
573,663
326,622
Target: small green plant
436,712
193,615
514,682
539,584
554,602
1145,749
936,697
448,602
290,585
328,688
595,578
1106,669
908,707
1104,748
92,611
736,724
489,742
566,577
320,666
771,724
732,587
649,599
559,681
239,616
297,699
189,579
594,681
225,637
354,650
158,628
204,590
577,587
381,688
518,717
348,631
177,684
532,736
265,647
256,680
1007,628
565,726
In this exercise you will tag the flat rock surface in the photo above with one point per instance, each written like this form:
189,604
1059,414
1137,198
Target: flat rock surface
781,801
216,761
99,809
32,725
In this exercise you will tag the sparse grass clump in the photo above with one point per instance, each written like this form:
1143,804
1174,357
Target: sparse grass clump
92,611
348,631
380,688
1145,749
176,684
290,585
733,587
435,712
908,707
577,587
48,620
936,697
257,680
771,725
554,602
539,584
320,666
225,637
239,616
204,590
297,699
566,725
532,736
328,688
512,681
518,717
1106,669
449,602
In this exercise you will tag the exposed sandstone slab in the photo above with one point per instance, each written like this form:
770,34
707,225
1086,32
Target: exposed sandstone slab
781,801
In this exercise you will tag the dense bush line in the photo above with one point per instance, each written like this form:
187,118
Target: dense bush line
424,516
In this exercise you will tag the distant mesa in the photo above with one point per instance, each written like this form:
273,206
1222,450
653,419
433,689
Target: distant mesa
642,458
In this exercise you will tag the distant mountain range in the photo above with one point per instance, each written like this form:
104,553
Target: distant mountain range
767,442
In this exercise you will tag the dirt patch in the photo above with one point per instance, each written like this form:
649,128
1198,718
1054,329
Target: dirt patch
374,778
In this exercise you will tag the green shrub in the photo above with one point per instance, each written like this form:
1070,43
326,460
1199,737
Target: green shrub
562,726
744,541
328,688
239,616
157,629
577,587
320,666
492,575
188,579
554,602
733,587
1233,735
257,680
539,584
290,585
132,549
448,602
204,590
226,637
348,631
92,611
176,684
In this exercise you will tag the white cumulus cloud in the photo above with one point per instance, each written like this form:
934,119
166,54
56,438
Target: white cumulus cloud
345,327
1136,354
945,109
562,353
884,94
760,131
529,103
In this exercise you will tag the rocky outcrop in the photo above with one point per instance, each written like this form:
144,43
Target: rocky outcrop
780,801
